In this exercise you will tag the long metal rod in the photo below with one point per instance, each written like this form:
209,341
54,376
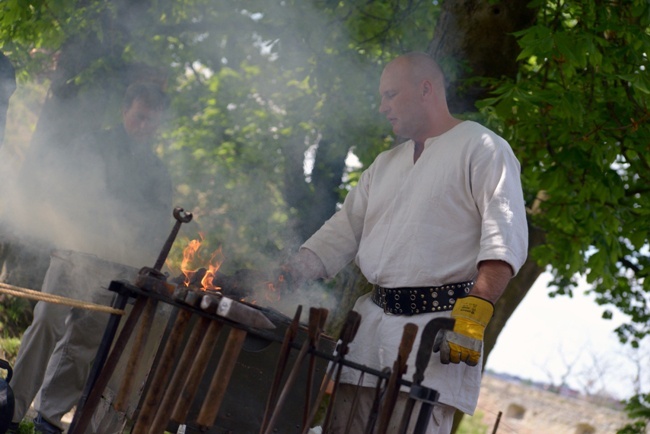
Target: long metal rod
496,424
101,355
316,327
380,389
109,367
293,374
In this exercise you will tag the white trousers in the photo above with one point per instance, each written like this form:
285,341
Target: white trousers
441,421
58,348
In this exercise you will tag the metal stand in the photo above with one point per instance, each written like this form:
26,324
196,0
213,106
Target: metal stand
119,302
428,397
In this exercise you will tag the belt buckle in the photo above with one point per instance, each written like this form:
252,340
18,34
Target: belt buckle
382,298
381,292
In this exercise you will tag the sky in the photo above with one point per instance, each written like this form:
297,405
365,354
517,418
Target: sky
546,338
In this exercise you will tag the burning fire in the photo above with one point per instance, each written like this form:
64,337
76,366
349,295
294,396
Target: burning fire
191,256
193,269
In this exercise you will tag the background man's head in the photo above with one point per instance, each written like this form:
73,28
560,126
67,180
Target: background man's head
142,109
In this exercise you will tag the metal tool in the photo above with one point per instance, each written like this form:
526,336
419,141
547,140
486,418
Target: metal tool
221,378
94,397
314,323
348,332
314,333
149,279
245,316
159,380
422,358
102,353
242,313
173,391
209,304
399,368
355,404
428,397
379,394
283,356
181,217
136,355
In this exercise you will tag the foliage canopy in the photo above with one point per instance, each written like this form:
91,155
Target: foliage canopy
256,85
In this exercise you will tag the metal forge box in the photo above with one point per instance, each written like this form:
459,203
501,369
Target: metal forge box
243,406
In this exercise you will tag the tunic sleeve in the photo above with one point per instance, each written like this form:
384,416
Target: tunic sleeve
336,243
496,187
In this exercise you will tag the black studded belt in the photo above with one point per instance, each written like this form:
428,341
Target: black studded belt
412,301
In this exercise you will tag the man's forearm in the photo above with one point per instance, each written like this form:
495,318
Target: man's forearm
493,277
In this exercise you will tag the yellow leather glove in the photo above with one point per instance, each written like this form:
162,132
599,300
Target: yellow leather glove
465,342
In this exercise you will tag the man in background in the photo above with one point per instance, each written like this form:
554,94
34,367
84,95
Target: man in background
107,197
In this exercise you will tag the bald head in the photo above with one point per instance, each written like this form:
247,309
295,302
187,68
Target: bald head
419,66
412,89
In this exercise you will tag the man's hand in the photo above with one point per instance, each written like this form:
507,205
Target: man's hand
465,341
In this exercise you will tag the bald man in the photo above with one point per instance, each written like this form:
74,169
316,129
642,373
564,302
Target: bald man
438,226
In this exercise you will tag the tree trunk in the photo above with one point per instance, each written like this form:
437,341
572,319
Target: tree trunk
514,293
473,38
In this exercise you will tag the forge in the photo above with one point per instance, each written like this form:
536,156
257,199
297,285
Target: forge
189,359
247,387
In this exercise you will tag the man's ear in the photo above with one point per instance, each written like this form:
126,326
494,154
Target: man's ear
427,88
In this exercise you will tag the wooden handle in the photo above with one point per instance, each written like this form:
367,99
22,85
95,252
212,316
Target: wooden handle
406,345
291,379
315,330
160,377
283,357
95,395
221,378
195,375
136,355
163,414
399,367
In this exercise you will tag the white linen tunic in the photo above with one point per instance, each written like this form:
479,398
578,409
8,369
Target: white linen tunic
426,224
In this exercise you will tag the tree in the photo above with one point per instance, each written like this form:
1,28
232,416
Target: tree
257,84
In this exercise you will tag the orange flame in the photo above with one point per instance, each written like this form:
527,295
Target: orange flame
191,255
213,266
192,264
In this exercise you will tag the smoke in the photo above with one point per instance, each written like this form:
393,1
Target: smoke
313,295
63,201
45,204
